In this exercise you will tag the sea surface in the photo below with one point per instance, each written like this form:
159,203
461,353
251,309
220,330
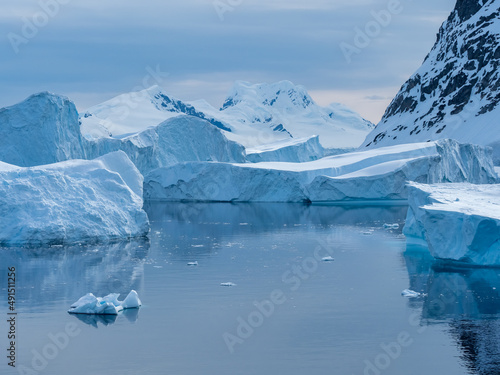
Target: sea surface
312,290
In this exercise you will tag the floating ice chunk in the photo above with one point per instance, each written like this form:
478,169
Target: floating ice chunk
367,233
391,226
228,284
132,301
411,293
108,305
195,263
327,259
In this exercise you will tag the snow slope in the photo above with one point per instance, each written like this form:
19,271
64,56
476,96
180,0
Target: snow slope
71,202
296,150
265,113
42,129
178,139
372,174
459,222
134,112
252,115
456,92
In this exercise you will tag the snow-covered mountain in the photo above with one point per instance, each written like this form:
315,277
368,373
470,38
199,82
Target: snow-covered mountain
42,129
265,113
252,115
456,92
134,112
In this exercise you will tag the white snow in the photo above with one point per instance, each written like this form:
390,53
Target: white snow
179,139
459,222
252,115
42,129
295,150
108,305
71,202
370,175
454,94
264,113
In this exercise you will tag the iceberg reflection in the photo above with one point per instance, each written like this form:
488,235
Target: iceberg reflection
465,299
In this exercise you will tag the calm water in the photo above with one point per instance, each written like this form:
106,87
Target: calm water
346,316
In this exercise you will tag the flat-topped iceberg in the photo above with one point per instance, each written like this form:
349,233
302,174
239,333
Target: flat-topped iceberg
71,202
108,305
457,222
379,174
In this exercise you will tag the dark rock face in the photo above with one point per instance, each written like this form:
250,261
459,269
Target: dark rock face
458,81
467,8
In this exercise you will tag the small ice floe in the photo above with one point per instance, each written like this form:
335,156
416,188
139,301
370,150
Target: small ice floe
391,226
367,233
411,293
108,305
228,284
197,245
327,259
195,263
157,266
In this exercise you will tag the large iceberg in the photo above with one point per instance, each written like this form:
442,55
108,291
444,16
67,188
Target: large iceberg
107,305
179,139
457,222
369,175
71,202
43,129
294,151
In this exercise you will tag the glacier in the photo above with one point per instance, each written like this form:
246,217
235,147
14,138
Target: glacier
457,222
74,201
296,150
368,175
107,305
42,129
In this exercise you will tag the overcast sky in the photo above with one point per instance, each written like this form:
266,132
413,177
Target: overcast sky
92,50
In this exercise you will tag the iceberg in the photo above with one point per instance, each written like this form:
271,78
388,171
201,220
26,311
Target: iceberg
179,139
70,202
42,129
108,305
375,174
294,151
457,222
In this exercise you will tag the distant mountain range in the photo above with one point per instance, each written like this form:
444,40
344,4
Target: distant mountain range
252,115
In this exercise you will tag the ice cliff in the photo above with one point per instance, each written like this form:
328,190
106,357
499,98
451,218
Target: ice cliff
458,222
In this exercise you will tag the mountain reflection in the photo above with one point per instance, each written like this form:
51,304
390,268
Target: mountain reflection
467,300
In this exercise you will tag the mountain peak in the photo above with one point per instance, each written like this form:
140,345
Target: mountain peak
282,94
456,92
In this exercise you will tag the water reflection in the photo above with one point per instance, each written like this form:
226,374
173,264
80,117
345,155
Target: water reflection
130,314
45,276
465,299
